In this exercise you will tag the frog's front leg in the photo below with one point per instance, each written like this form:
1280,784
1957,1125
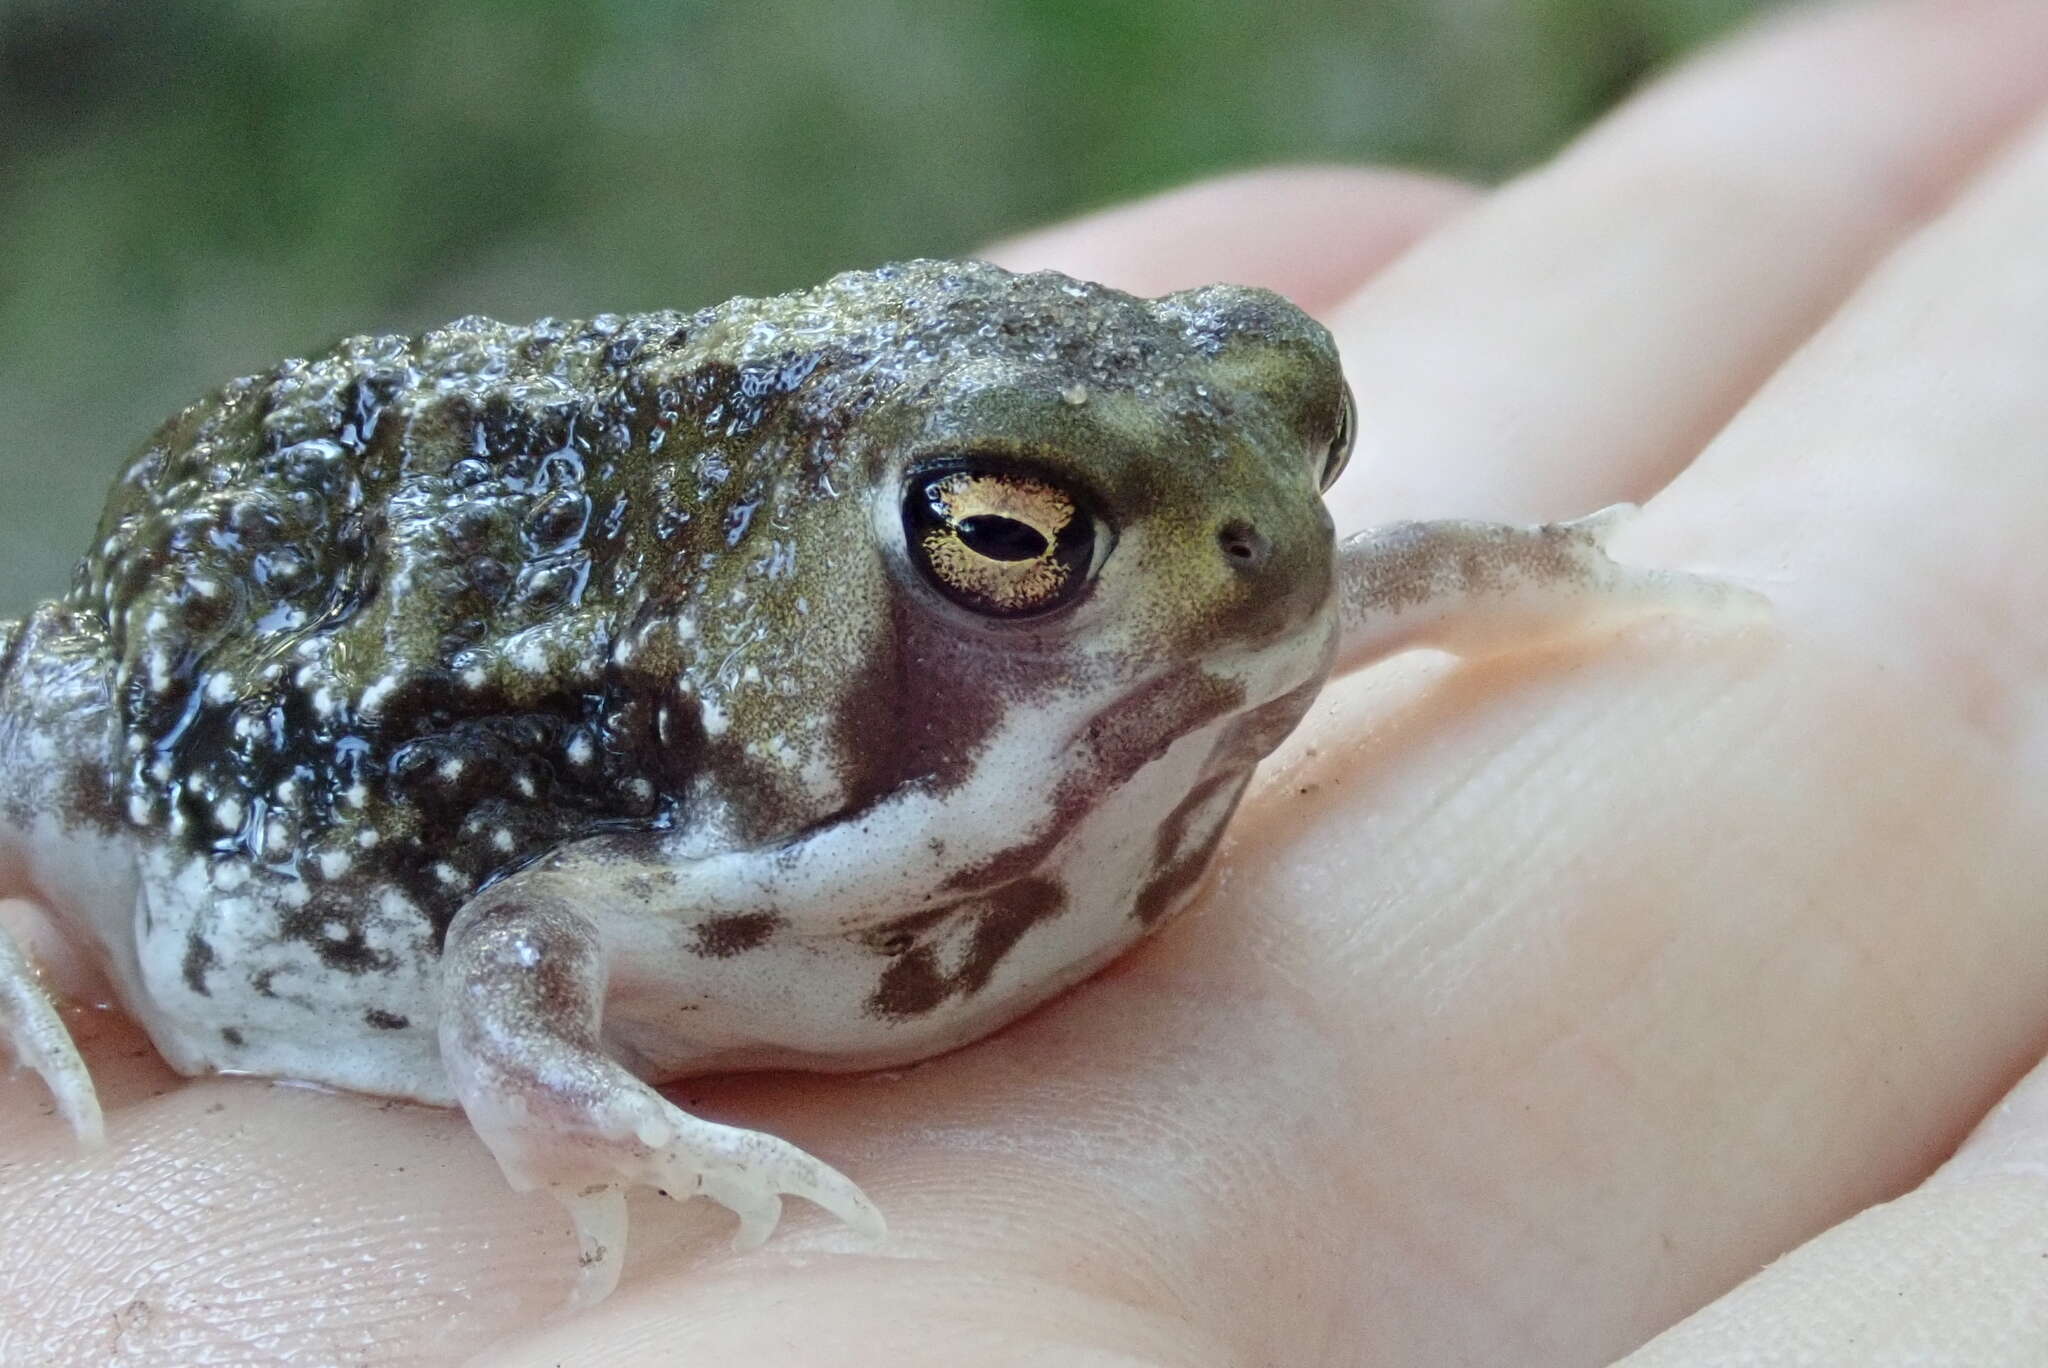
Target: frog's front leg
1478,588
525,976
35,1034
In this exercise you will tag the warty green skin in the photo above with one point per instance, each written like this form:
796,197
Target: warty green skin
367,633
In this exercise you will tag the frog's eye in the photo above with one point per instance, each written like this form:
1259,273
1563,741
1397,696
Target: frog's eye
998,542
1340,443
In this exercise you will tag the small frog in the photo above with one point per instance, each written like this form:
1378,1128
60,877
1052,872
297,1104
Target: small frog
518,717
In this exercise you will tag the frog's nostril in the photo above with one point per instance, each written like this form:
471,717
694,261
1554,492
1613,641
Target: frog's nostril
1243,545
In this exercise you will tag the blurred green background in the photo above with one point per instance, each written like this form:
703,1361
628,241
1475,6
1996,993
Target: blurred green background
195,188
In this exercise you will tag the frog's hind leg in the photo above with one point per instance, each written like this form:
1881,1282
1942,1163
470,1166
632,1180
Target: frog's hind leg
1477,588
524,980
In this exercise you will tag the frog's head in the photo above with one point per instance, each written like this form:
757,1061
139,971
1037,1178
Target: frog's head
1099,489
1035,520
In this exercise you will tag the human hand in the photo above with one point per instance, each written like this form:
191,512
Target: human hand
1533,1004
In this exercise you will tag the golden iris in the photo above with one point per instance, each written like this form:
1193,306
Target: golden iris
998,542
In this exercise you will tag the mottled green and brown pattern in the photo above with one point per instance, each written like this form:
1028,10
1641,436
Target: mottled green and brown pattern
417,609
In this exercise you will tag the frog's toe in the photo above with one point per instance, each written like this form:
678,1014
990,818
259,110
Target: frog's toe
749,1174
32,1030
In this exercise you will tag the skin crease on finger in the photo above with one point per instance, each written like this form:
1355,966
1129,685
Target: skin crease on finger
1535,1130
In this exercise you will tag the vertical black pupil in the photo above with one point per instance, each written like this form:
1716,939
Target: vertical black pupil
1001,538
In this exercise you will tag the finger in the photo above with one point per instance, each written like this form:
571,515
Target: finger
1315,234
1893,481
1950,1273
1575,340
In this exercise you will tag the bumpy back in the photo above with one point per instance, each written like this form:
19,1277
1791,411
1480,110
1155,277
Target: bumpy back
353,593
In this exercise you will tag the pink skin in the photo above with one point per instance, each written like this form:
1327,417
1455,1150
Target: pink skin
1535,1004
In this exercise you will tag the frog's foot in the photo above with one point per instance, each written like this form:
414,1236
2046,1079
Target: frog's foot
1479,588
519,1039
35,1034
636,1138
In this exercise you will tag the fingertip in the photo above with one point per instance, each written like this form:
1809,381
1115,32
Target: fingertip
1312,233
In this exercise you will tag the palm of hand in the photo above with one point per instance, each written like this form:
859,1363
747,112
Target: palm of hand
1534,1003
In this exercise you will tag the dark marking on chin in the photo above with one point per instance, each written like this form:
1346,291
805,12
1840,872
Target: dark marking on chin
379,1020
199,958
1011,911
914,984
1179,872
231,1036
1122,739
724,937
910,987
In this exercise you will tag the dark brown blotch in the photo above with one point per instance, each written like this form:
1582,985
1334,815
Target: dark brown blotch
724,937
1011,911
914,984
199,959
910,986
379,1020
1177,872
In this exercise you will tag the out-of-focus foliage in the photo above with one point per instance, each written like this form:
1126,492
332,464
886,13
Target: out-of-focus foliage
194,188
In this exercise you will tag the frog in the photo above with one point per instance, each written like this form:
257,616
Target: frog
520,718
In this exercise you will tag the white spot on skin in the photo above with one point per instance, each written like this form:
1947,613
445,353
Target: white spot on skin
229,812
449,874
367,838
580,750
374,696
356,796
335,863
230,875
450,769
473,677
138,809
502,839
334,930
524,784
220,687
714,719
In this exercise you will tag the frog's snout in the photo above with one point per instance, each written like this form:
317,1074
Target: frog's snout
1275,573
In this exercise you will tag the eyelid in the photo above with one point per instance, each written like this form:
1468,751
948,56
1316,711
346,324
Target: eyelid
1339,454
